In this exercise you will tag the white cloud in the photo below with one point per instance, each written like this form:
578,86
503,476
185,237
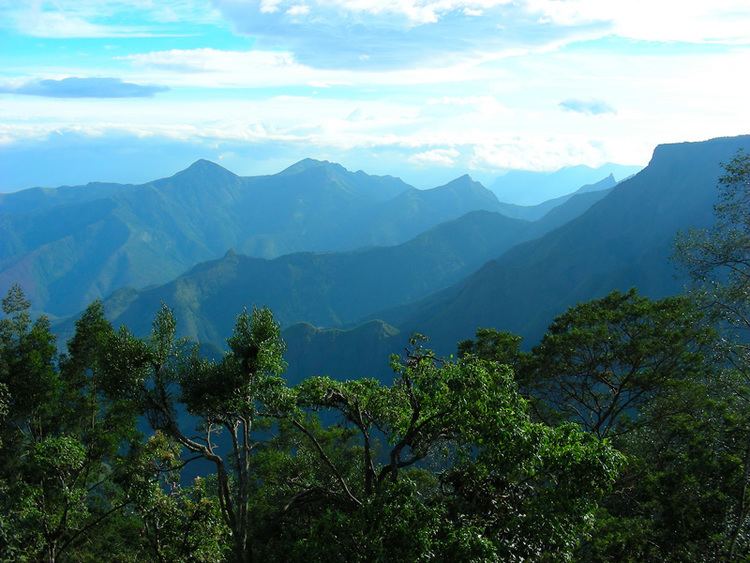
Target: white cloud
587,106
537,153
59,25
435,157
263,69
712,21
515,123
269,6
403,33
416,12
658,20
60,19
298,10
486,105
500,111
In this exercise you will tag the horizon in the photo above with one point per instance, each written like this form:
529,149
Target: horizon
425,90
593,175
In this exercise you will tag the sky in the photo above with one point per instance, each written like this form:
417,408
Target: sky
425,89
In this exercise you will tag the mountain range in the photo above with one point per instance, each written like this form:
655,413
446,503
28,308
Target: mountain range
530,188
335,289
352,264
70,245
624,240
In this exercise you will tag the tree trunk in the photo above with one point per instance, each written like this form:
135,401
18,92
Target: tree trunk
243,552
742,510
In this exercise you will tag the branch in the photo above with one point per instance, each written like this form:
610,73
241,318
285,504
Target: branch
328,462
91,525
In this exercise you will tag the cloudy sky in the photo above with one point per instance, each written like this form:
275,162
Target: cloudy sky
426,89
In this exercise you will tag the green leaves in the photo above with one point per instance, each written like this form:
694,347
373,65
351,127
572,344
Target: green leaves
718,259
256,343
246,381
61,457
463,464
443,463
64,427
602,360
15,306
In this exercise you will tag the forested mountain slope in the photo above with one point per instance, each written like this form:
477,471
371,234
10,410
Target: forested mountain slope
70,245
625,240
334,289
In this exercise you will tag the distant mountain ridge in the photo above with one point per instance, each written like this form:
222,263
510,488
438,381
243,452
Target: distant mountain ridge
70,245
333,289
528,188
534,212
624,240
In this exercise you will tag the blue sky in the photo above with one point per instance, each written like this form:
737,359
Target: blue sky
426,89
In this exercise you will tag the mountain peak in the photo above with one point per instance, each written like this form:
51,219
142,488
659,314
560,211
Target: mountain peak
603,184
203,168
463,182
665,152
312,164
204,165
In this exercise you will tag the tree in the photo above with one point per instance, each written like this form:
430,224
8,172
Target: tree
464,467
493,345
242,396
676,498
718,261
64,434
177,523
601,361
444,463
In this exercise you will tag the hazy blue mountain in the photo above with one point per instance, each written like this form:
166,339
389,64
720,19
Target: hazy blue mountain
528,188
414,211
359,352
534,212
333,289
625,240
329,289
572,208
70,245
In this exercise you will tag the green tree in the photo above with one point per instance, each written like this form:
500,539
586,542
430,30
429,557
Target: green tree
63,436
177,523
240,396
463,472
676,499
601,361
718,261
495,346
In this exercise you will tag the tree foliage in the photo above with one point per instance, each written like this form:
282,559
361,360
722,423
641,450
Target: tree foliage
602,361
62,438
718,259
621,436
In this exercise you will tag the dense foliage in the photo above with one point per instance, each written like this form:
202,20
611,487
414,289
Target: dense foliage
444,463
